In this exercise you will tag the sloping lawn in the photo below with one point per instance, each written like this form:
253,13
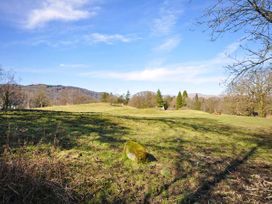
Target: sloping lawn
72,154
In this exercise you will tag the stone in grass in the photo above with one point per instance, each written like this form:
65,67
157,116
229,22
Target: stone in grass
137,152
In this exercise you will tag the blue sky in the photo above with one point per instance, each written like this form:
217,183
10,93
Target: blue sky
113,45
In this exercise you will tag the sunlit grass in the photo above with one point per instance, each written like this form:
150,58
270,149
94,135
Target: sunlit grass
190,147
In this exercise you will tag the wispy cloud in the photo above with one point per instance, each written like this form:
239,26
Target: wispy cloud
190,74
195,73
164,24
167,19
59,10
109,38
72,40
223,57
187,74
46,41
74,66
168,45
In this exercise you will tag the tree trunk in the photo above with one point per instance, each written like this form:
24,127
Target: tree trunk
262,105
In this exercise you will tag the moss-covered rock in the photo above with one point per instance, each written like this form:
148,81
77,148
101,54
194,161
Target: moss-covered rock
135,151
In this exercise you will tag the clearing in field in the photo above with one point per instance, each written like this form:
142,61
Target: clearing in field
71,154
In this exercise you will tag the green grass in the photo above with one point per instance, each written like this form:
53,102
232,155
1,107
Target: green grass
200,157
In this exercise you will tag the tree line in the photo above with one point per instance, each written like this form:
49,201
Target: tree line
251,95
148,99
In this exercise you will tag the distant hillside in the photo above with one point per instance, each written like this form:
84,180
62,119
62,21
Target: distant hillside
54,90
192,95
59,94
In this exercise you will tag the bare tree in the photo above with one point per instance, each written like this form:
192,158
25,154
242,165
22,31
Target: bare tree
145,99
1,73
11,95
254,89
212,105
254,18
41,99
79,97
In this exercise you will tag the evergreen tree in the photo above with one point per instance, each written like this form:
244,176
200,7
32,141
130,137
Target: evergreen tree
159,99
127,97
197,103
184,96
179,101
105,97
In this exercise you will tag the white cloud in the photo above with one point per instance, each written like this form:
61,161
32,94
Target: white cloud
61,40
223,57
192,74
62,10
143,75
201,72
188,74
167,19
169,44
109,39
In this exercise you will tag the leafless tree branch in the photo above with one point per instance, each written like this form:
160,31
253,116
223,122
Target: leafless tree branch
254,18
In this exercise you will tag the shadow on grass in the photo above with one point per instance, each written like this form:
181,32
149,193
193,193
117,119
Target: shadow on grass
205,126
199,157
60,129
151,158
63,129
208,185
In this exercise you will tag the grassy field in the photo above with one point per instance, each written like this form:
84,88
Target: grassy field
71,154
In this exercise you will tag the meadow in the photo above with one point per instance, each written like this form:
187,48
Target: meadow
74,154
